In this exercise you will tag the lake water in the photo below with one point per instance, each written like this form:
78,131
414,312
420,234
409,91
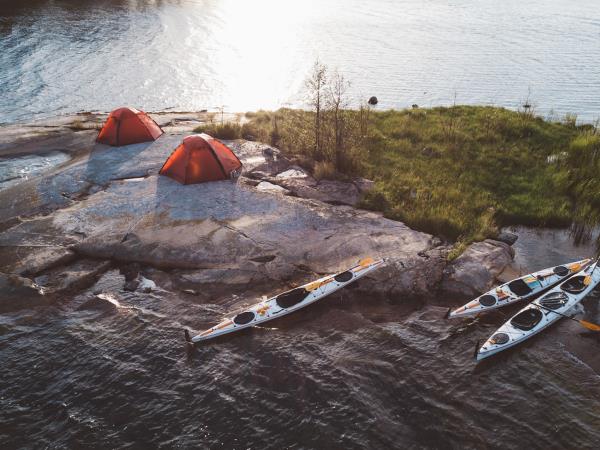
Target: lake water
59,56
351,371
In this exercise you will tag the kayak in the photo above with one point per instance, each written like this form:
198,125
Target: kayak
520,289
542,312
288,302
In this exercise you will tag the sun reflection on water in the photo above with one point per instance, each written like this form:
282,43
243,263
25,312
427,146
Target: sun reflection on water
253,51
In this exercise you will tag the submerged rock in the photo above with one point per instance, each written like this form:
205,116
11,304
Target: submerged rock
146,285
100,302
17,292
131,285
131,272
78,275
475,271
507,238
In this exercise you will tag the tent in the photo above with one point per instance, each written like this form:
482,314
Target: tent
201,158
126,126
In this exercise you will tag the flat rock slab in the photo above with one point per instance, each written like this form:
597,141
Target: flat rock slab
159,222
93,171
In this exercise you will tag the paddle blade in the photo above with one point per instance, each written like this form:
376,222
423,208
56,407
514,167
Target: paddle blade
312,286
590,325
366,262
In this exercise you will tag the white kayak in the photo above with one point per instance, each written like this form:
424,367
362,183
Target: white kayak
520,289
542,312
288,302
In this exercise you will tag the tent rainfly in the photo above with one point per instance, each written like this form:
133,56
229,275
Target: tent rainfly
200,158
126,126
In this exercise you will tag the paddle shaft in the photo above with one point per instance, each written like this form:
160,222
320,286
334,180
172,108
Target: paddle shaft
556,312
564,315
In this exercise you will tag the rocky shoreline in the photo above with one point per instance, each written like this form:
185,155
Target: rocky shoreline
277,226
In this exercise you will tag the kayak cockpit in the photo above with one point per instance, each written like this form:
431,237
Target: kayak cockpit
574,285
554,300
487,300
499,339
343,277
527,319
244,318
291,298
519,287
561,271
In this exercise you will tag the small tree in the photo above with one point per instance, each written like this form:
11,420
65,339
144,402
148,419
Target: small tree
337,103
363,119
316,84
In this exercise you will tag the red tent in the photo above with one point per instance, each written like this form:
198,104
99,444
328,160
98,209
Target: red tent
126,126
201,158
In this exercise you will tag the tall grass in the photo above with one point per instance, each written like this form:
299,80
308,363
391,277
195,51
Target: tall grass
581,180
458,172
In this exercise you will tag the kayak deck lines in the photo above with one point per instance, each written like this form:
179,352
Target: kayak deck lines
287,302
521,288
542,312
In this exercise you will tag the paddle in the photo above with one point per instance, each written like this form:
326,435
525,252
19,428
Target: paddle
589,325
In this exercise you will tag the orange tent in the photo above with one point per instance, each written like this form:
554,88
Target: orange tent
126,126
201,158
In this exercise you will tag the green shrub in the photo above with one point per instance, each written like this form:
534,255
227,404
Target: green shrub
226,130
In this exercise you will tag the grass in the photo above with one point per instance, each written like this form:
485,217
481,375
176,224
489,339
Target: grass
79,125
228,130
582,182
459,172
324,170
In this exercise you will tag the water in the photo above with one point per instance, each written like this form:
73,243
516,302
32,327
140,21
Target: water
59,56
348,372
550,246
16,170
